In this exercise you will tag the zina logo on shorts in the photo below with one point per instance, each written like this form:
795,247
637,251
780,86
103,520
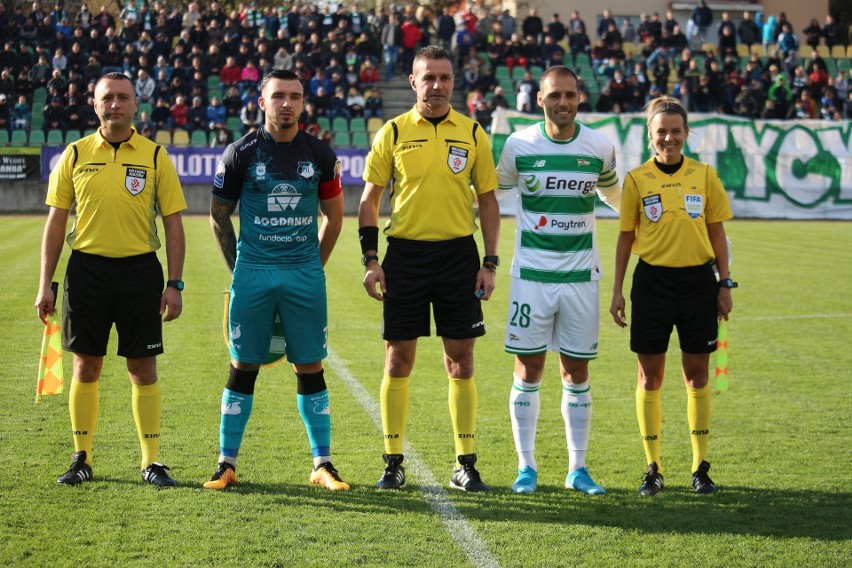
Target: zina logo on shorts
283,196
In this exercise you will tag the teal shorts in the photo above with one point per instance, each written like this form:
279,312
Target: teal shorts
297,295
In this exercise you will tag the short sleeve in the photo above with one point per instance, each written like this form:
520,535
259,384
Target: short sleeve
60,185
629,212
378,169
484,173
170,198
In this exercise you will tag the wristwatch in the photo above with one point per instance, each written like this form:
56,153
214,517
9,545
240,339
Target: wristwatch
176,284
491,262
727,283
368,257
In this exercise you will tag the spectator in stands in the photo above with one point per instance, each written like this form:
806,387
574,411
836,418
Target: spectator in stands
579,43
197,116
805,107
54,114
812,33
161,116
446,29
727,42
499,99
702,17
618,88
831,32
369,74
830,105
411,36
145,87
233,101
841,84
180,113
788,41
231,73
21,114
250,75
355,102
217,114
391,38
337,104
373,105
6,120
251,117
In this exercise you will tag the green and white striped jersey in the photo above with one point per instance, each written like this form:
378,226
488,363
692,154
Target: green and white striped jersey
555,239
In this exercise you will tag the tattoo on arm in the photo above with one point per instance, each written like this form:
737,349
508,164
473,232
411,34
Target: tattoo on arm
223,230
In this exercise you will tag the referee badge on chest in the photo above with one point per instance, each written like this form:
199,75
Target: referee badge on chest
134,180
653,207
457,159
694,205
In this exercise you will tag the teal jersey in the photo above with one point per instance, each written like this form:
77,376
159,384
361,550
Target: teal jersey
279,186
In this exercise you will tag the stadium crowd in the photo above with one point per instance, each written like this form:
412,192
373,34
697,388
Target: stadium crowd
198,69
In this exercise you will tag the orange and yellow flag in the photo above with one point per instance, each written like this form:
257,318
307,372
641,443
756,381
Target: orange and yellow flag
51,378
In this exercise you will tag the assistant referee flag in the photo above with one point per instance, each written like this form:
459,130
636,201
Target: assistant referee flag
51,378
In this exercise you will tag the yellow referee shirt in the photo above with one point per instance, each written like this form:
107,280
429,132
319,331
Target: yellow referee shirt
670,213
433,169
118,194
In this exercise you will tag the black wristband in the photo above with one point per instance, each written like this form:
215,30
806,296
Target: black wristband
369,238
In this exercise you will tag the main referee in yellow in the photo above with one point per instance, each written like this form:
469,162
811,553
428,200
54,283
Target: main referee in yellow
440,163
119,181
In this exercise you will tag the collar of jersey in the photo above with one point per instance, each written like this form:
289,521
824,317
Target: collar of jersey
418,116
132,141
546,135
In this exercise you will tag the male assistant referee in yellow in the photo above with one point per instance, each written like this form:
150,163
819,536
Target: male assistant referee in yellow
119,181
440,163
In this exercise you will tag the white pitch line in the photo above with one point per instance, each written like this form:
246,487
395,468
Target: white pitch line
794,317
457,526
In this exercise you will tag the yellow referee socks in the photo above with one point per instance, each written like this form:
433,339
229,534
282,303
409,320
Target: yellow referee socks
650,416
698,414
83,405
462,401
147,409
393,399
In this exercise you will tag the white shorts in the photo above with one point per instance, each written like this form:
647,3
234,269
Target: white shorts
544,316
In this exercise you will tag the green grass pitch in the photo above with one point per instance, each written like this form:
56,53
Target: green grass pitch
779,445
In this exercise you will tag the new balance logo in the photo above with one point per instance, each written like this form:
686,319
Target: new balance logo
699,432
539,163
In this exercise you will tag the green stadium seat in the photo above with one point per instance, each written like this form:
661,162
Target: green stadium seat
199,139
37,138
536,72
501,72
845,64
145,107
4,137
518,73
40,94
54,137
19,138
72,136
88,132
360,139
341,139
36,122
324,124
339,124
213,83
234,125
357,125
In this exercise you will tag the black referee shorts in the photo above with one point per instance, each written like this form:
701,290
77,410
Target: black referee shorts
100,291
420,274
664,297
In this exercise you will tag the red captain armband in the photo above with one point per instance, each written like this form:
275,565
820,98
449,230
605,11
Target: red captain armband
330,188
